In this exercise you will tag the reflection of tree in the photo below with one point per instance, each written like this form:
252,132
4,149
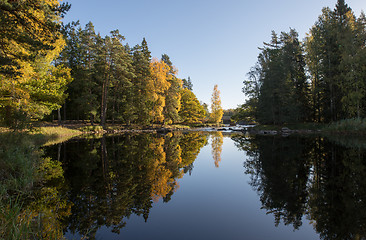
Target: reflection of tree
279,172
115,177
49,202
33,198
191,144
297,176
217,139
338,192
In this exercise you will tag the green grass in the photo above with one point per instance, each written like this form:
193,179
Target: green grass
356,125
21,169
52,135
199,125
94,129
19,159
292,126
177,126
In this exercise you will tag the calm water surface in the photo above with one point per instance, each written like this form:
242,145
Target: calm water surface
213,186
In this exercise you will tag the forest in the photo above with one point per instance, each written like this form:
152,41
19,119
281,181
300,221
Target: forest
320,79
50,70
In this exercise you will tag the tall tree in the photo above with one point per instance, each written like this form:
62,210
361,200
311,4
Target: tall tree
122,75
159,73
80,55
187,83
31,85
277,85
216,109
330,45
142,84
172,102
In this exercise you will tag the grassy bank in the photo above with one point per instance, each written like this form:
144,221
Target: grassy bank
53,135
295,126
356,126
24,170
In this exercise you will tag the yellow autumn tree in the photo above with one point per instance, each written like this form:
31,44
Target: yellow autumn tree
216,109
160,85
217,139
159,175
32,85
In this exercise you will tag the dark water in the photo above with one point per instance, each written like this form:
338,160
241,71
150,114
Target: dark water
210,186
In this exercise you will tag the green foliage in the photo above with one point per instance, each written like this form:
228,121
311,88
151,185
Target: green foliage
245,112
348,125
19,160
24,174
334,55
277,85
32,85
191,110
92,129
187,83
172,97
278,89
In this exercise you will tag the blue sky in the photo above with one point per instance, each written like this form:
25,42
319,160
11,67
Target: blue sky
212,41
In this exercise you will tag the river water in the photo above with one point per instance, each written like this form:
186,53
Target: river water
201,185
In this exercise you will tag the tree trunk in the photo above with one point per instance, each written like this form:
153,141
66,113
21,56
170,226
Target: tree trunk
65,111
59,116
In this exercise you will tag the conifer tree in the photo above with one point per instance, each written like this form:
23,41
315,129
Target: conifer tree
187,83
172,102
142,84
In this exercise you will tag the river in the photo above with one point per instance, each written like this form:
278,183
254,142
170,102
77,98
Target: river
211,185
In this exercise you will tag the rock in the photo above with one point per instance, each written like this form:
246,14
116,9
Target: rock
285,129
163,130
267,132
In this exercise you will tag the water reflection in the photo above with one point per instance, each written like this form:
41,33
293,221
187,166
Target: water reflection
313,177
113,178
217,139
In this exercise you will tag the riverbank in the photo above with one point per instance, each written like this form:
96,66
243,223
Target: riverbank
350,127
87,128
53,133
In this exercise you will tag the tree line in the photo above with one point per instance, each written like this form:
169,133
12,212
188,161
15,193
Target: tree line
53,70
319,79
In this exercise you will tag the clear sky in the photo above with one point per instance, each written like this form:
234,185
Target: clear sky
212,41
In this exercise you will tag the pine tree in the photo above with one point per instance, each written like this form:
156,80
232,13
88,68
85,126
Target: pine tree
122,75
187,83
277,86
332,48
172,101
142,84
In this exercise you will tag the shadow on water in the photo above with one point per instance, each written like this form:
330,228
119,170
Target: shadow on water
320,179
